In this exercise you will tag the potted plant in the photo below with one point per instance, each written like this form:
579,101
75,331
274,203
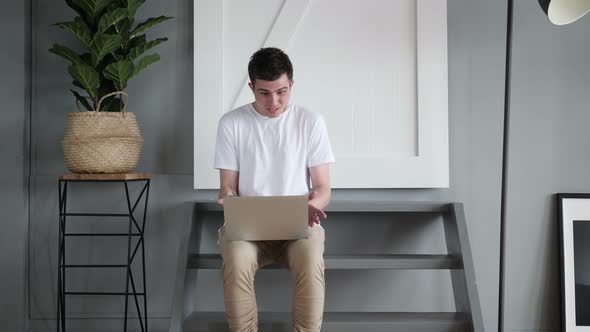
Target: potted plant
106,138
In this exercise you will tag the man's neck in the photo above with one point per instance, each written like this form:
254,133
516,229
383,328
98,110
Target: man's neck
262,114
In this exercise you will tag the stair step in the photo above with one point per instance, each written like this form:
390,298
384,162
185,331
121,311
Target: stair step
346,321
357,206
352,262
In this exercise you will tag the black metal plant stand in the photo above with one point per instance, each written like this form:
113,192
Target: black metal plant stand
135,230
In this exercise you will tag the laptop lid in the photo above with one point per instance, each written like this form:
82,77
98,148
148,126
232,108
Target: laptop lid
257,218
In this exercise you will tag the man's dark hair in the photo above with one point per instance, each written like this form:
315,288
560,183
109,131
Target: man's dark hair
268,64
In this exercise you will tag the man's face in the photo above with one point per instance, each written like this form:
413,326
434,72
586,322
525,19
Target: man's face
271,97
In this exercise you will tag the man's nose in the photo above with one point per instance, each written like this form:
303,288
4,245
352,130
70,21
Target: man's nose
274,100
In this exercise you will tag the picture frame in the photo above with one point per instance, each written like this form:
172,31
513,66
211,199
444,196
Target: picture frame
574,228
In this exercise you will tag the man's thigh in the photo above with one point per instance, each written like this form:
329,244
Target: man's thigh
242,250
306,250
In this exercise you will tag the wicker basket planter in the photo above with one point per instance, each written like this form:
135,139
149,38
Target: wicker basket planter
102,142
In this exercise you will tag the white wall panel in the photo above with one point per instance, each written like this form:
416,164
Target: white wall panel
377,71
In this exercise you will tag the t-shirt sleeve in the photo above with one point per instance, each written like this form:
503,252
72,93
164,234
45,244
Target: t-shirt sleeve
226,154
319,148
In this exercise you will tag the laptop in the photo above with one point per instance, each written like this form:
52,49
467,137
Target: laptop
261,218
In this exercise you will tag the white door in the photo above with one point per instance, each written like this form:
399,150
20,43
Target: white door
376,70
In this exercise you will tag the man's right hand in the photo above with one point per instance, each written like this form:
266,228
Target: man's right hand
220,200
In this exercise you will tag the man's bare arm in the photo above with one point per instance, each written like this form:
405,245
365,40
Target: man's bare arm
228,184
322,192
320,181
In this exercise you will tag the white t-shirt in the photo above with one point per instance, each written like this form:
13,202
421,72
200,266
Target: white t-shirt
272,154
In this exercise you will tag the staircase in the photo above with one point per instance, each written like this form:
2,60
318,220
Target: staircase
458,261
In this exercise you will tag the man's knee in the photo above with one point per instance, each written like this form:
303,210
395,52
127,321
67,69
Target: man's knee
308,263
307,255
238,256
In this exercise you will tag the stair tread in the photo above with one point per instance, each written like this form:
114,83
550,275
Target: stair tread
357,206
370,261
346,317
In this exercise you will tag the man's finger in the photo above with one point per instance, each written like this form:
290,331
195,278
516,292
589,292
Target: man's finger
322,214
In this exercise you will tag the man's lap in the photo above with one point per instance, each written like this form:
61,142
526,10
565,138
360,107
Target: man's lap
268,252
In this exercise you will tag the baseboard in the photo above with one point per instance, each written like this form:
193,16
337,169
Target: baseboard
99,325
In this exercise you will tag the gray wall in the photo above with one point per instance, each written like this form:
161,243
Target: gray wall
163,100
14,165
548,118
548,154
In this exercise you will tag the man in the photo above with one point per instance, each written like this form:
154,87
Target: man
274,147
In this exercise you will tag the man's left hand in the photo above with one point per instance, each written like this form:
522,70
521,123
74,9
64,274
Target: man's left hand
314,213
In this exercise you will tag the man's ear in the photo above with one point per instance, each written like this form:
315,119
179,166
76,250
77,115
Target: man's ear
251,86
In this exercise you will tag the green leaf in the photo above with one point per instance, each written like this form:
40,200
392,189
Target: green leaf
82,101
119,72
88,19
133,5
107,103
79,29
92,7
137,41
86,57
135,52
111,18
75,7
106,87
115,4
102,45
123,25
144,62
66,53
122,29
87,76
114,105
78,84
150,22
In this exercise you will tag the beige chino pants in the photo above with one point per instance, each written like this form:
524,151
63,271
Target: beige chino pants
304,258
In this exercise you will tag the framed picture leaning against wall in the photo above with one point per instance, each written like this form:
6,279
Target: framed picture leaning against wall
574,231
